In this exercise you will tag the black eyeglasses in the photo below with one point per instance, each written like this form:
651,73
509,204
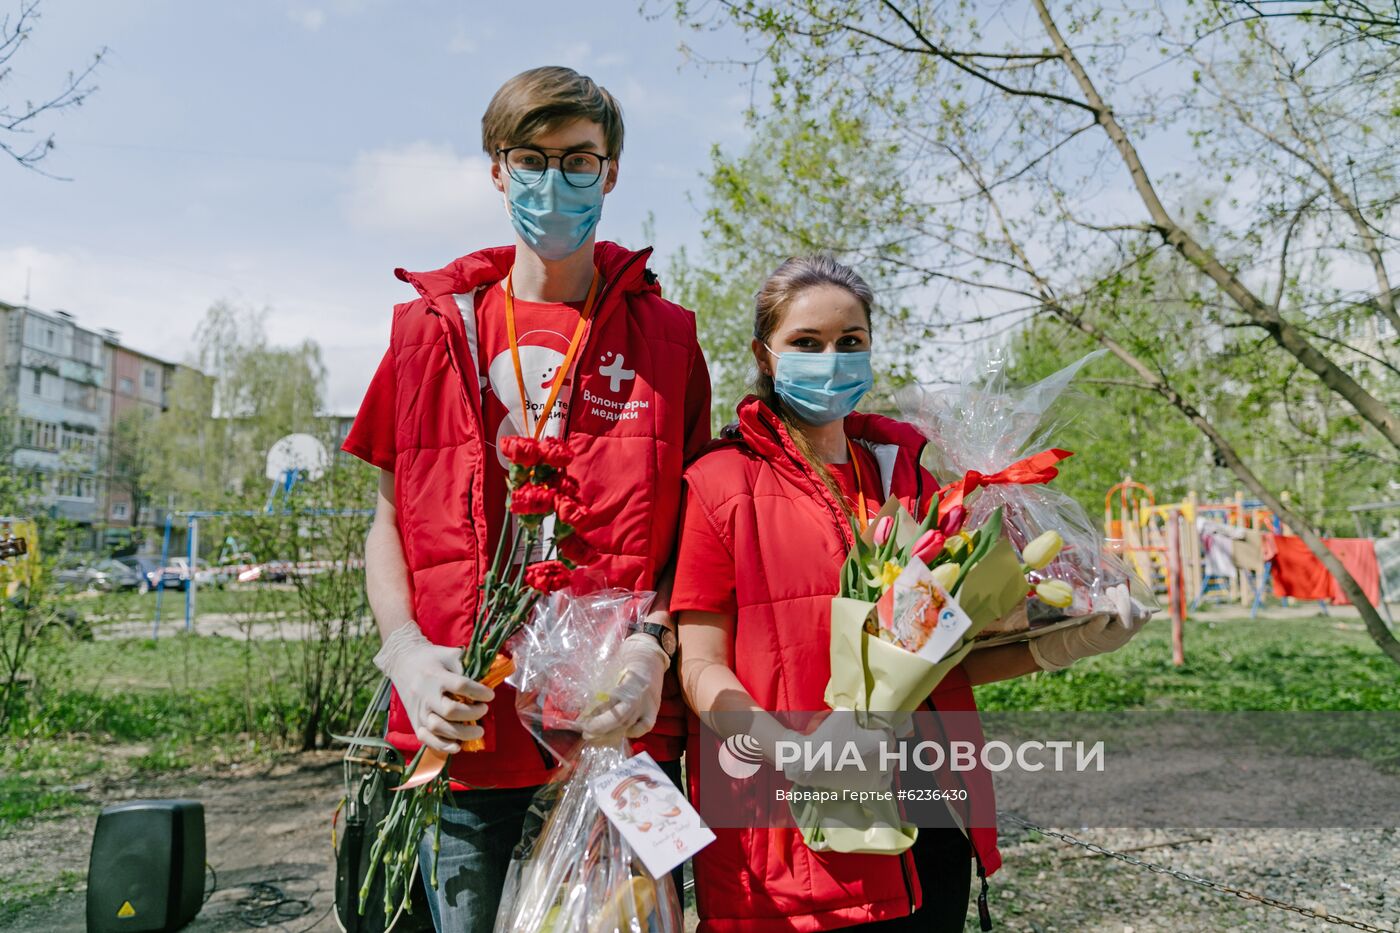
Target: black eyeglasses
581,168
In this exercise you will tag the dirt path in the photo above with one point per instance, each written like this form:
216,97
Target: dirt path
271,825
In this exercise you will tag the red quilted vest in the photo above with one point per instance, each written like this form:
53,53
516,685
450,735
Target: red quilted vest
628,436
780,524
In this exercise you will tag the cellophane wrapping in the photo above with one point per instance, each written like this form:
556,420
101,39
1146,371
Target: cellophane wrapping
985,424
572,871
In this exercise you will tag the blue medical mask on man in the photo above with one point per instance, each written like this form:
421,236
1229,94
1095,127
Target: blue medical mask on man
553,217
822,387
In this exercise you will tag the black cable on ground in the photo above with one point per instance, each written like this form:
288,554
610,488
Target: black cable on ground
266,905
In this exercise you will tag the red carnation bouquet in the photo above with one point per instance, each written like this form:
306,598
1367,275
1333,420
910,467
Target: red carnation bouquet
540,486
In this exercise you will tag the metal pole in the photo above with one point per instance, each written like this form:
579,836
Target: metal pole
160,579
1176,588
190,584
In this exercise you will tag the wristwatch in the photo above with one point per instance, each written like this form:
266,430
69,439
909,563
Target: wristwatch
663,635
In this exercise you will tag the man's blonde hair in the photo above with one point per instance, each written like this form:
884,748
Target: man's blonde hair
537,101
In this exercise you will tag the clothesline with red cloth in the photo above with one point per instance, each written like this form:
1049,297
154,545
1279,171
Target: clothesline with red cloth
1299,574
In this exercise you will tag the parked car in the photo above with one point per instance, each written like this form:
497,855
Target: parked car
119,575
149,572
102,574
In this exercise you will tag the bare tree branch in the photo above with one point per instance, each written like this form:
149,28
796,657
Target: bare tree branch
1374,411
1156,379
15,120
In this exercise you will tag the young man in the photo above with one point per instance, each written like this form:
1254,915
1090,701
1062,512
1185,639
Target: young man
491,339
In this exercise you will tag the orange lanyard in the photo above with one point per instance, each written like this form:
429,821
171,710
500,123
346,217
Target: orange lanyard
860,487
564,368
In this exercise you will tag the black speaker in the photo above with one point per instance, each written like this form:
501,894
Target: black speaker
146,873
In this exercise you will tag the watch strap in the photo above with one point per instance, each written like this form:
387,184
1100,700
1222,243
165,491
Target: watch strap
655,630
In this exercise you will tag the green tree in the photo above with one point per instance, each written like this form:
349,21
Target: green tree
328,642
235,398
1019,149
133,434
794,212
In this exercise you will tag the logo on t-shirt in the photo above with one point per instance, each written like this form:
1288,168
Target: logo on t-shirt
541,355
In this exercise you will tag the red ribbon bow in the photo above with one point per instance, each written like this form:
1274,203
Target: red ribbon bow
1037,468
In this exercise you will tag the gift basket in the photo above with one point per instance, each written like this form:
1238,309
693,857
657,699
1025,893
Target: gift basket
573,870
991,445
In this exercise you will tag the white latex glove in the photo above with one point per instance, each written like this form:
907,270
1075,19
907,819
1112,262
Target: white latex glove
632,705
838,730
425,675
1057,650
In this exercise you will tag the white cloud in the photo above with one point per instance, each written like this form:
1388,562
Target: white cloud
308,19
156,305
424,188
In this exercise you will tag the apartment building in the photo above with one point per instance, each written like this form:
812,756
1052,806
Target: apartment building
62,389
140,390
56,389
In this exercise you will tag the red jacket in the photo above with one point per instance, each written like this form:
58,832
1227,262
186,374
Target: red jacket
630,437
781,525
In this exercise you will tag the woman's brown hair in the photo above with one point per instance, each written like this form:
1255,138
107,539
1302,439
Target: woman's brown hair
789,280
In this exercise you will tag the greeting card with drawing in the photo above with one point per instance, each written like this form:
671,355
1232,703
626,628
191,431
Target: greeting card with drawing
651,813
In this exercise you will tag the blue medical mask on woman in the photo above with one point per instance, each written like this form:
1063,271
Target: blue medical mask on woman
822,387
552,216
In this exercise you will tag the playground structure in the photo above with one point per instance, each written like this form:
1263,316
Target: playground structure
1141,527
1169,545
1162,542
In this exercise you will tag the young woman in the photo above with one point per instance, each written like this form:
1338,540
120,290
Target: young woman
766,528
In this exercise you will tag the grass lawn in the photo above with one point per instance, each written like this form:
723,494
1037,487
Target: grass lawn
1318,663
129,605
108,710
117,708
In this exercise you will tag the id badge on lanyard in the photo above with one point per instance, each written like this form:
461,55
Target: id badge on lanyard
585,320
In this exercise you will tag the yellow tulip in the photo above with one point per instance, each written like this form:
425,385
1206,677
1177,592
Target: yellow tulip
1042,550
945,575
958,542
886,576
1055,593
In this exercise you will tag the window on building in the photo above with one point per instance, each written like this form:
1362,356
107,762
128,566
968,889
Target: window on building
80,395
71,486
149,378
119,510
38,383
127,386
84,345
75,442
48,336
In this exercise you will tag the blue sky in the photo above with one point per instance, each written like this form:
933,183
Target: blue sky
292,154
